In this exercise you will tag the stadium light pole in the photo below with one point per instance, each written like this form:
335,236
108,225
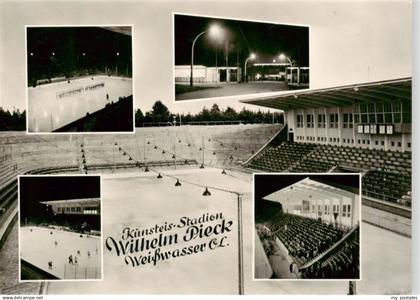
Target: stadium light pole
240,247
252,56
116,63
214,30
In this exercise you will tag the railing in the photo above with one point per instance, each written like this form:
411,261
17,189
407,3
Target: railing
76,272
203,123
326,254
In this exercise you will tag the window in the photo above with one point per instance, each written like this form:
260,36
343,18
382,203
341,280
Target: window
344,211
299,119
408,145
392,143
382,143
399,144
348,210
333,120
321,121
376,143
310,121
348,120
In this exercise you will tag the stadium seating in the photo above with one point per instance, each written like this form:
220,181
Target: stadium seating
387,174
319,250
218,145
304,238
341,263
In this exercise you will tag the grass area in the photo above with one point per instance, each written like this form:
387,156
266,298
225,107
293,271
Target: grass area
185,88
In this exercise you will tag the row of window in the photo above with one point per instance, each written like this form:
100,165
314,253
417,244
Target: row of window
346,209
77,209
69,209
349,141
333,120
380,113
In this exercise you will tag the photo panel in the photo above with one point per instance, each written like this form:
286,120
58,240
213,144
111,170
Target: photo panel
79,79
60,228
216,57
307,226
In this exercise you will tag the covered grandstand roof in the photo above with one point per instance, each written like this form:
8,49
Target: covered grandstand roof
307,189
339,96
85,201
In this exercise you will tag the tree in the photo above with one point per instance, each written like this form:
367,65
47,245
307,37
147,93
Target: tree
139,117
160,112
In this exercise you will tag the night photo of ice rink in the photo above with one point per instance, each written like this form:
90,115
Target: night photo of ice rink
79,79
60,228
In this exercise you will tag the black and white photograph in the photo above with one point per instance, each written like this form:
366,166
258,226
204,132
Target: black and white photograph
216,57
60,235
79,79
307,226
295,88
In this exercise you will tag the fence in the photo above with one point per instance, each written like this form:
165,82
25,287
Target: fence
78,272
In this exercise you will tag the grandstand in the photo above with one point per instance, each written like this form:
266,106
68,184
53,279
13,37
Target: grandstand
315,230
362,128
334,145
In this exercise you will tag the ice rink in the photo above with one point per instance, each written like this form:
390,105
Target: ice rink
37,247
48,112
141,200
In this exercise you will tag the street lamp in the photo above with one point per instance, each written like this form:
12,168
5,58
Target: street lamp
215,31
252,57
282,56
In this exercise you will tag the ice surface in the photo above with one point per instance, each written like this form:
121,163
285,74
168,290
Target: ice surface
47,112
38,248
141,200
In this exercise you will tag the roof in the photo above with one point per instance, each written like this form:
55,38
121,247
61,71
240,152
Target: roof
84,201
381,91
120,29
308,189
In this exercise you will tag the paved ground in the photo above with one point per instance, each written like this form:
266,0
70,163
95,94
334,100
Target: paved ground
233,89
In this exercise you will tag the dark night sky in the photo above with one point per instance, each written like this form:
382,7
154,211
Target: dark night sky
270,183
36,189
68,44
266,40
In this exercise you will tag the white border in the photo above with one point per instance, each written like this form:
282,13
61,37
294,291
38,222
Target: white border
102,229
132,80
309,174
235,97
